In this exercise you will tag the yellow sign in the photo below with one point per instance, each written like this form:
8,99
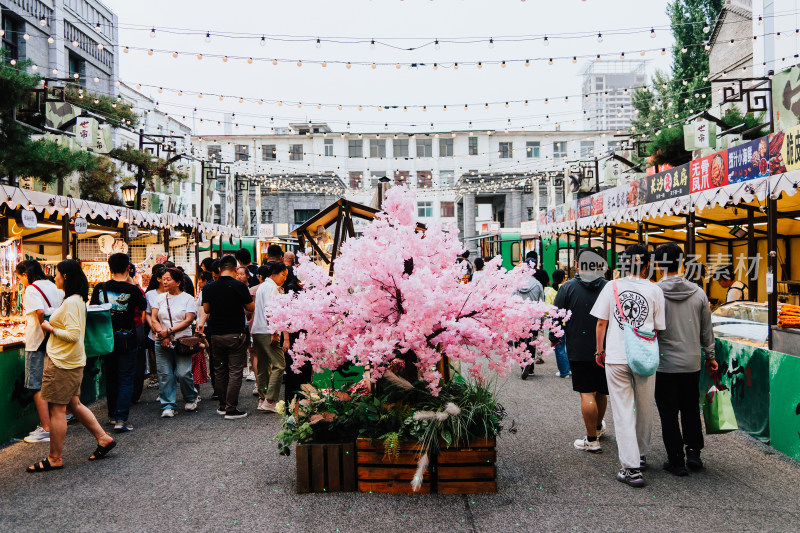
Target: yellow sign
790,151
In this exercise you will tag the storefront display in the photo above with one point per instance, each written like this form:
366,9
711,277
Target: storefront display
742,322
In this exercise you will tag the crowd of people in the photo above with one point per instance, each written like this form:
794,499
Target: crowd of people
167,332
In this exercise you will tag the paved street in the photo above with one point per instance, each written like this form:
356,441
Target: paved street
197,472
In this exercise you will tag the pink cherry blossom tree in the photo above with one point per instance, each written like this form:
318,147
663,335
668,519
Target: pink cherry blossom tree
396,291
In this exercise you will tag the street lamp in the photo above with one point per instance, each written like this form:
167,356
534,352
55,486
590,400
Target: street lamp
129,193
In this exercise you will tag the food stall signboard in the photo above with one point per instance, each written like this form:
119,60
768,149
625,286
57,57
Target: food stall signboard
790,150
709,172
669,184
133,231
585,207
748,161
529,228
266,231
27,219
80,226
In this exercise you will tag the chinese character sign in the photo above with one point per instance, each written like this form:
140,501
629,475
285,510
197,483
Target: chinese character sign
709,172
572,211
86,131
790,150
669,184
585,207
748,161
701,136
597,204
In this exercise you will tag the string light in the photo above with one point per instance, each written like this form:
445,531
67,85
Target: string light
153,33
263,41
208,37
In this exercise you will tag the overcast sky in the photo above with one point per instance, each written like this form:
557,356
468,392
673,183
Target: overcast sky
401,24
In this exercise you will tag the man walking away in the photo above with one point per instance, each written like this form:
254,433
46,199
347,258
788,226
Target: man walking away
226,301
688,319
631,395
126,300
578,296
532,290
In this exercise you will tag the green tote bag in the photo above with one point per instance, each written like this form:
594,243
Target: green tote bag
99,337
718,409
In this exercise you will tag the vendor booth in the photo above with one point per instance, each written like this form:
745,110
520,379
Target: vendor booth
736,207
50,228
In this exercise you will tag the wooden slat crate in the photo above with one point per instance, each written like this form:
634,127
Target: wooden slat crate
464,470
326,467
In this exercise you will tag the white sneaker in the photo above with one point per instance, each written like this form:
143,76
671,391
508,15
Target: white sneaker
602,430
220,411
167,413
255,390
587,445
268,406
190,406
38,435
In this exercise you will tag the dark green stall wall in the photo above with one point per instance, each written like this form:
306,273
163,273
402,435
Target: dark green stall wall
784,409
248,243
17,411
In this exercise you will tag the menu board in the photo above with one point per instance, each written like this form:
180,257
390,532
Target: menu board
669,184
709,172
597,204
585,207
748,161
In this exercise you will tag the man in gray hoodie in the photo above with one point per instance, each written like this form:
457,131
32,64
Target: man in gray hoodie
532,290
688,321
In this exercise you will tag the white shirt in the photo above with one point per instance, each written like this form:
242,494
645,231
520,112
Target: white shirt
737,291
150,296
180,305
643,305
264,295
32,301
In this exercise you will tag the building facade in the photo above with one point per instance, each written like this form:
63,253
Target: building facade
75,39
462,177
608,96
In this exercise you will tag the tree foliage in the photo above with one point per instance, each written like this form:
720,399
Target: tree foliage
151,167
99,183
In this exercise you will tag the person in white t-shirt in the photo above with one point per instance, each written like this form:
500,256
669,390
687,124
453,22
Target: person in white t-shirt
41,295
269,345
632,396
172,316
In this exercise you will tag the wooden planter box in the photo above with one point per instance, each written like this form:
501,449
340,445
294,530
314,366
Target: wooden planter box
326,467
465,470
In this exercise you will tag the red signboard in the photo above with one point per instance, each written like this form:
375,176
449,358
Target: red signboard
709,172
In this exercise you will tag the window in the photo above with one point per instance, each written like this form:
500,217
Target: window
328,147
532,148
530,213
355,148
215,152
217,214
269,152
377,148
446,147
11,34
506,150
400,148
302,215
424,180
295,152
266,216
446,178
587,149
375,177
424,209
472,146
424,148
77,66
448,209
559,150
401,177
355,179
242,152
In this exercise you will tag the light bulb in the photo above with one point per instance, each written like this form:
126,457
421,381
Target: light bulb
683,50
150,52
250,61
374,66
76,44
125,50
263,41
208,37
274,62
503,64
76,76
574,59
175,55
347,66
96,79
663,51
486,106
225,59
153,33
550,61
372,44
642,53
324,64
299,63
527,62
622,55
50,40
491,42
100,46
455,66
199,57
43,22
435,66
221,98
599,37
652,33
480,65
546,41
436,45
597,58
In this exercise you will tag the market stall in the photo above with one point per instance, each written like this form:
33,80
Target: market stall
736,207
50,228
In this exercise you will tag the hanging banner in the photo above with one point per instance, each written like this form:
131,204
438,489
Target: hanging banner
669,184
529,228
104,142
80,225
597,204
777,163
572,211
637,192
86,131
257,221
561,213
709,172
230,199
786,98
246,226
748,161
585,207
790,150
615,199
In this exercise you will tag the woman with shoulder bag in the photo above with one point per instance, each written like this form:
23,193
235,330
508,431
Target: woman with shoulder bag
172,317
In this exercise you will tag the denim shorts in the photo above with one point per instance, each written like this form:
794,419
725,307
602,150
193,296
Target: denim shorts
34,366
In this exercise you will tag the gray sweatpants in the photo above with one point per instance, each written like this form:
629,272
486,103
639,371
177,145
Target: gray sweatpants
632,404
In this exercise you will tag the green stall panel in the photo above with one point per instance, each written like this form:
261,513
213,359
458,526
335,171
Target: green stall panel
784,409
745,370
328,379
17,411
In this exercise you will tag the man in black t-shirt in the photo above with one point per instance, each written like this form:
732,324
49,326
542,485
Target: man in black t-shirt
119,366
226,301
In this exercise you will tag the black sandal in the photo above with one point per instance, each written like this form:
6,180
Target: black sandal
42,466
102,451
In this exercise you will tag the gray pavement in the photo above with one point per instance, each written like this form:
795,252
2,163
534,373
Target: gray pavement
197,472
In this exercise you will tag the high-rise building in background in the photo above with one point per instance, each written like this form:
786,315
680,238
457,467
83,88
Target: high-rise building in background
607,93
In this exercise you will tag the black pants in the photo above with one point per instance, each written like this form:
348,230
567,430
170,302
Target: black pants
679,394
141,363
230,358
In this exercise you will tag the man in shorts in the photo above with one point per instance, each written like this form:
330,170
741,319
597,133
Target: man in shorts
578,296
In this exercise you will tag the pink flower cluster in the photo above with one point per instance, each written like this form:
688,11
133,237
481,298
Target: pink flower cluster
397,289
